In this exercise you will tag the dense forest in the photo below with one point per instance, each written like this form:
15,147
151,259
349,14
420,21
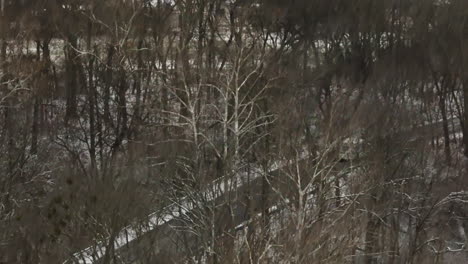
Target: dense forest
233,131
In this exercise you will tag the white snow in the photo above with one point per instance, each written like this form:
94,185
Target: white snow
130,233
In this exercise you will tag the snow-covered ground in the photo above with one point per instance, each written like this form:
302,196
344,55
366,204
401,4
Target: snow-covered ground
130,233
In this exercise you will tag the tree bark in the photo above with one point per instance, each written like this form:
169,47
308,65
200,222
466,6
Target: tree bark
72,81
465,117
443,110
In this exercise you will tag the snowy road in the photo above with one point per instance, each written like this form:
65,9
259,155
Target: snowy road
216,190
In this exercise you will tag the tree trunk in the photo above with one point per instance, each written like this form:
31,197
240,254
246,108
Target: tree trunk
72,81
108,82
91,113
35,126
465,117
446,131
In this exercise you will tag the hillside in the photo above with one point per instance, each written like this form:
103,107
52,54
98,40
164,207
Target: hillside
232,131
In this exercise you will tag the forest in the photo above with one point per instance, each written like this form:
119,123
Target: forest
233,131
